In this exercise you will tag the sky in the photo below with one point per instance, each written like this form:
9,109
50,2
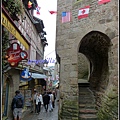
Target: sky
49,21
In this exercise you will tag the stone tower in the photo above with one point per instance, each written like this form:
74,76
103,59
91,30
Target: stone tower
87,47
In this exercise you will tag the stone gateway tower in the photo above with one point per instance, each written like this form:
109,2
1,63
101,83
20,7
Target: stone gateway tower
87,51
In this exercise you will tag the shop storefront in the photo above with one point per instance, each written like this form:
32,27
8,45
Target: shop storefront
11,75
10,81
27,87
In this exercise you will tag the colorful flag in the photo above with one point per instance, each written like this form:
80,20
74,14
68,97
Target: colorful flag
29,4
103,1
66,16
52,12
38,10
83,12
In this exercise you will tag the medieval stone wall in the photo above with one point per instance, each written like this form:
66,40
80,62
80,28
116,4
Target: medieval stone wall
83,67
102,18
13,86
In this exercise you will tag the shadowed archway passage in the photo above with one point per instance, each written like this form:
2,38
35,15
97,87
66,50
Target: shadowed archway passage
95,46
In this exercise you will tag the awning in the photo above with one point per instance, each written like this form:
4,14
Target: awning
37,75
55,83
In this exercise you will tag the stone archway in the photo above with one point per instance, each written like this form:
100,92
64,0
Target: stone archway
95,46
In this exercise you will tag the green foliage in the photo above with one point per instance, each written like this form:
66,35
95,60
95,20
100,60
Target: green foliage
14,7
5,44
109,108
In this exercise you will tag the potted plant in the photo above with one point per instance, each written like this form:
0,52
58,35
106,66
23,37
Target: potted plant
15,8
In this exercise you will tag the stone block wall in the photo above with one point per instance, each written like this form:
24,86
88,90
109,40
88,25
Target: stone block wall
109,103
13,86
83,67
102,18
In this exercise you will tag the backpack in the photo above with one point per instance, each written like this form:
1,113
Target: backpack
19,103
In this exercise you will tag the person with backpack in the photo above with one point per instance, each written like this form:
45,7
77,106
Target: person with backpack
46,100
17,105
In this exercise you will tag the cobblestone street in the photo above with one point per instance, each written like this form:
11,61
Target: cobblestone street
43,115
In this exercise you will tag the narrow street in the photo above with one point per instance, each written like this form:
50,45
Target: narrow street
43,115
62,50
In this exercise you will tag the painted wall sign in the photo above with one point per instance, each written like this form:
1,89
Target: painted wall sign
15,54
25,75
6,23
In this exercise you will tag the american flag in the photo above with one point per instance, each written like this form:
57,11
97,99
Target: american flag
66,17
38,10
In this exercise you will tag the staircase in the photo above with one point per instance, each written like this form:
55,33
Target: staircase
87,105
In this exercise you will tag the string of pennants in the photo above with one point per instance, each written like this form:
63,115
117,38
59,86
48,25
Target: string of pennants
66,16
38,8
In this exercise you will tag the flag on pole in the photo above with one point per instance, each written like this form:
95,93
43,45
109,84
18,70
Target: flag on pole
66,16
38,10
83,12
52,12
103,1
29,4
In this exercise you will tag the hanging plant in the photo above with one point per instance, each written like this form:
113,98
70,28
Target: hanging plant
14,7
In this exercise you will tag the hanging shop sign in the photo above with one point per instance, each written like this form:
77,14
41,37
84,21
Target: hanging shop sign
25,75
6,23
15,54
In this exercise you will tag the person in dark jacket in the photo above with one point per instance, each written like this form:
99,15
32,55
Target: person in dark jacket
46,99
17,105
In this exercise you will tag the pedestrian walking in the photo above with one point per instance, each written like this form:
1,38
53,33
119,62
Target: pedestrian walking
46,99
51,101
17,105
58,94
54,97
34,99
39,102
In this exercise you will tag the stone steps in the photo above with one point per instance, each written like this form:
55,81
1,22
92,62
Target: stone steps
87,111
88,117
87,105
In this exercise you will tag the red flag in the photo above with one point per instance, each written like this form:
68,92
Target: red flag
29,4
52,12
103,1
83,12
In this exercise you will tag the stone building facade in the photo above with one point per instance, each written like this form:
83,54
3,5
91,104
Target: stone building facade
27,31
88,49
